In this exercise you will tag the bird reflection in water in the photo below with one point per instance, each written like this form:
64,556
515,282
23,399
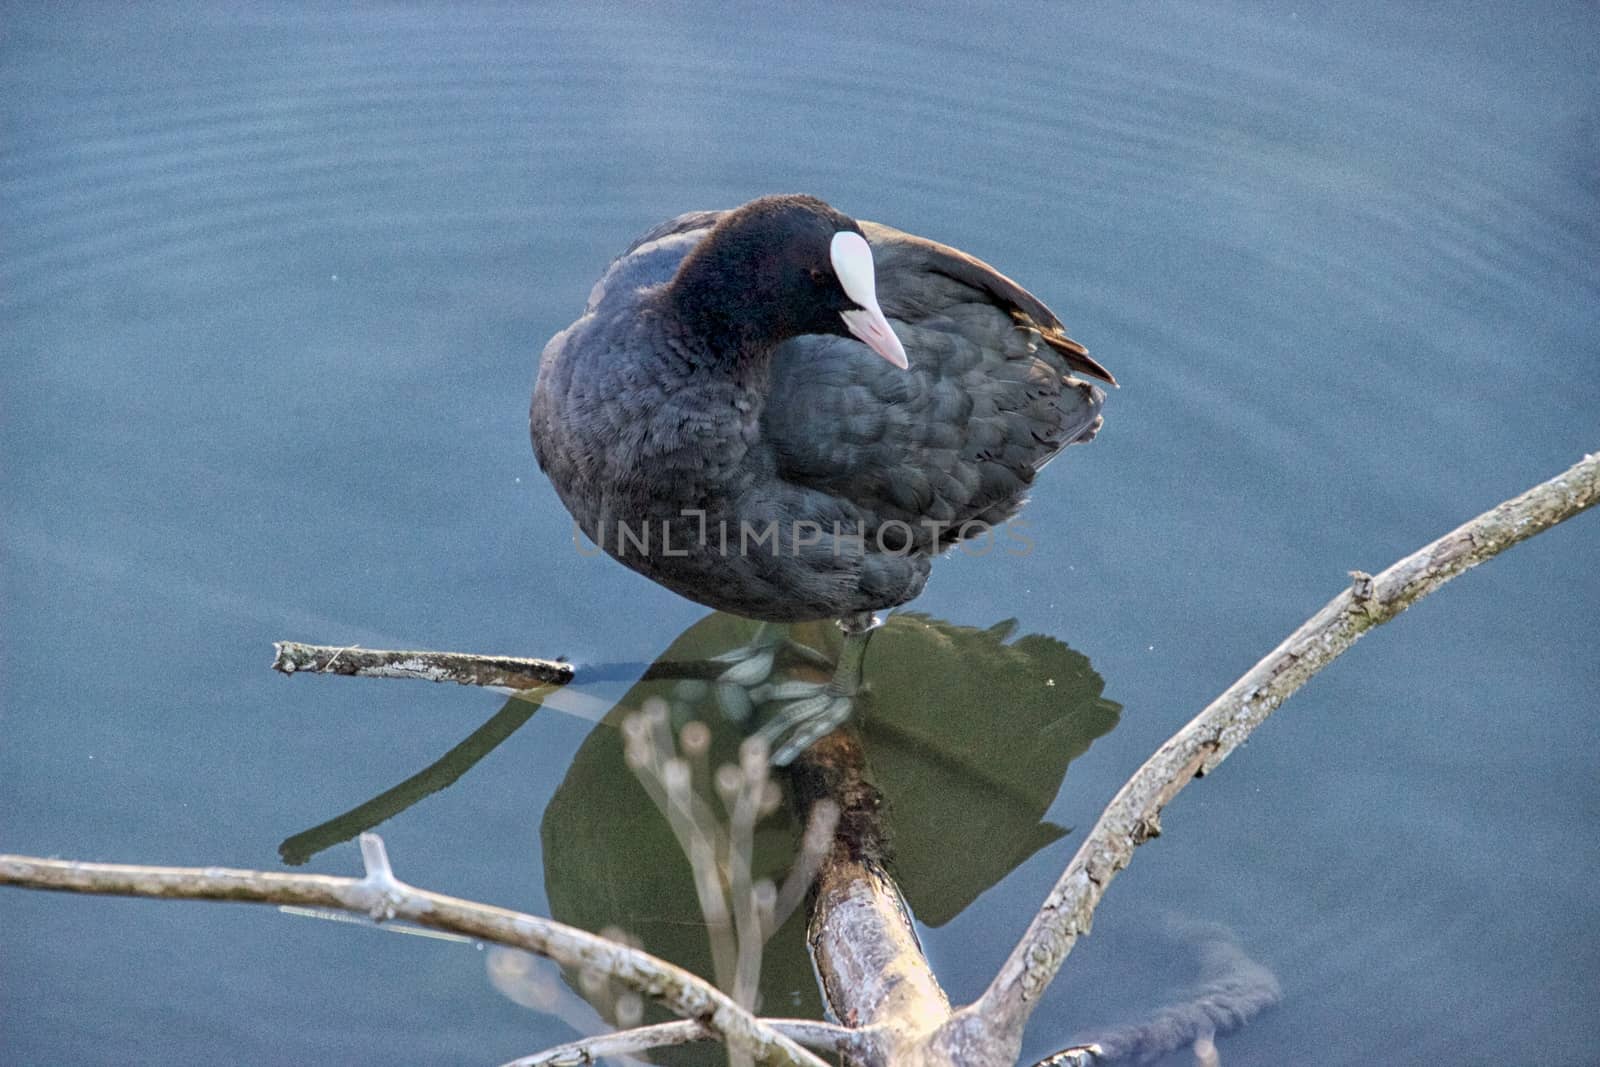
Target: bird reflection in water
964,733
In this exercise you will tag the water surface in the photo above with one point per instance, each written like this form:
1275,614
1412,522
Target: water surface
273,286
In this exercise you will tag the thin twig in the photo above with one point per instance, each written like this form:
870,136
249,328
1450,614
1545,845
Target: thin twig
536,984
1133,817
463,668
826,1037
380,896
752,772
815,845
667,778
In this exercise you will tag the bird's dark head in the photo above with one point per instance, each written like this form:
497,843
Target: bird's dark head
783,266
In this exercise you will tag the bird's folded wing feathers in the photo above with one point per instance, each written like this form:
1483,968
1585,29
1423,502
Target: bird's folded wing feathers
961,434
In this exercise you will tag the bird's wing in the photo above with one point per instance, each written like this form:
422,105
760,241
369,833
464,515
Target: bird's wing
653,258
649,261
688,222
930,275
988,399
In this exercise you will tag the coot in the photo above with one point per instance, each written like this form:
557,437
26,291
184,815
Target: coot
717,419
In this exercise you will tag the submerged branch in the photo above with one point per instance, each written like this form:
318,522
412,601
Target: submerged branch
380,896
463,668
1231,989
441,774
1133,816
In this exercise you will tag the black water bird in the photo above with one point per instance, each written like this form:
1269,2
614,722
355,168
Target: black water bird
716,420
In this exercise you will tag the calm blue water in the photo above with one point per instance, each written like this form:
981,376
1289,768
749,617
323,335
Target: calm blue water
273,285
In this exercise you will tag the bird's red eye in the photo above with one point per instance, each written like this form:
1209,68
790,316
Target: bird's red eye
818,275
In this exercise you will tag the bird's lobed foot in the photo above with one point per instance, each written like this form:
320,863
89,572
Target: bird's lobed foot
748,666
803,720
802,712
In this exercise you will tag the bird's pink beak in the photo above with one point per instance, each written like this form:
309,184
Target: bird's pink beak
852,264
869,326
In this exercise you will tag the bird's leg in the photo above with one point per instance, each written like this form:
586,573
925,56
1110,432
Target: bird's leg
813,711
857,629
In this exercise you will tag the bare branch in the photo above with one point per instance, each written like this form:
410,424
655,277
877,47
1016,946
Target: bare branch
506,672
1133,816
870,965
463,668
380,896
827,1037
866,950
